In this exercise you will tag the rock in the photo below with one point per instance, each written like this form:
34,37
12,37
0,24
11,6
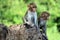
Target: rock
23,32
3,32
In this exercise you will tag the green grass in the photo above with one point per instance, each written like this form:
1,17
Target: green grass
52,33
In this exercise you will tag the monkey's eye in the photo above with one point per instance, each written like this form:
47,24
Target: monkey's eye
34,7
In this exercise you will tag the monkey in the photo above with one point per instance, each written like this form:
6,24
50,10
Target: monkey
42,19
31,15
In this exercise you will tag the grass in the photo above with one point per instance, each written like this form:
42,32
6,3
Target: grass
52,33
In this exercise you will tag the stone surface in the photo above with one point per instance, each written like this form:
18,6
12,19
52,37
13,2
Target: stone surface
23,32
3,32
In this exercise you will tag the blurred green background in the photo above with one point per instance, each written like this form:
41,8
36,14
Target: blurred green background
12,12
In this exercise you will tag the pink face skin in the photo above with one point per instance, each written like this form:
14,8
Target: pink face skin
45,16
34,9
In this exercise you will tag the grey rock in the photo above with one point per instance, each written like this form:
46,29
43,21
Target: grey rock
20,32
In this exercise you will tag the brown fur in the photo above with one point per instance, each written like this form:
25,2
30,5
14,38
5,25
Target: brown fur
32,5
45,17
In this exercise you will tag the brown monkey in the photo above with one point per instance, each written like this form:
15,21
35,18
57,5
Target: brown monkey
31,15
42,23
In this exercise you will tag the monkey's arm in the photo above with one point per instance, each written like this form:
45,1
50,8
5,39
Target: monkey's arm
26,20
44,29
25,17
36,21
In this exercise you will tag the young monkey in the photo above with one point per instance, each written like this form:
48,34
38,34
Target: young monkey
31,15
42,23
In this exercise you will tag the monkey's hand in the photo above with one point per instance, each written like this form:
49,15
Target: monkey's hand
32,24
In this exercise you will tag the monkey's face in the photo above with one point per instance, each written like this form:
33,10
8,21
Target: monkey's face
34,9
45,16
